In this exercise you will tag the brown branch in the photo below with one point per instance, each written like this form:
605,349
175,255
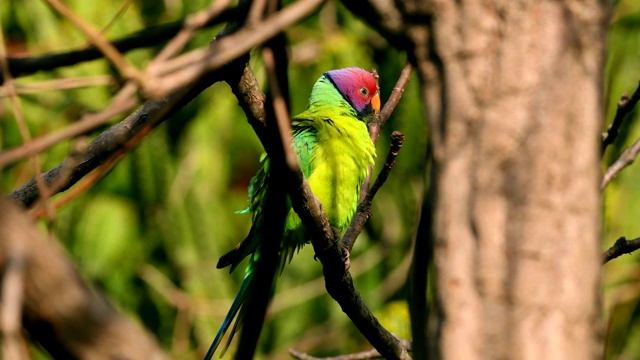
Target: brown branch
59,84
620,247
625,105
96,38
364,355
187,67
148,37
123,9
274,220
12,301
124,101
136,125
363,213
380,119
625,159
78,324
25,134
192,24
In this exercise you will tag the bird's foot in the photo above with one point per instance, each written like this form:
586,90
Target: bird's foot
345,257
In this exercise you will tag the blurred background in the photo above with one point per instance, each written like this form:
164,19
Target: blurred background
149,234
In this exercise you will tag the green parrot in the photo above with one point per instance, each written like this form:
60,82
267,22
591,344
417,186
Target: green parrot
334,151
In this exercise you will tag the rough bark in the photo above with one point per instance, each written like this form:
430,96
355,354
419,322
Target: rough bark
515,107
59,310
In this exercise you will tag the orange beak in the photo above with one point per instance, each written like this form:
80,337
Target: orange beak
375,102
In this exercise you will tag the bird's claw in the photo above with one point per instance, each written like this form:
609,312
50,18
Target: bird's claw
345,257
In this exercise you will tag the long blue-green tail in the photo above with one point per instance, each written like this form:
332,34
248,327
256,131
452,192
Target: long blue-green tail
232,314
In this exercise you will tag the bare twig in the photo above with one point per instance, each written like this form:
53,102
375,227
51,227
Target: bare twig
380,119
148,37
620,247
267,265
124,101
22,124
363,213
185,68
364,355
192,24
123,9
626,158
112,140
58,84
96,38
84,184
251,99
625,105
42,206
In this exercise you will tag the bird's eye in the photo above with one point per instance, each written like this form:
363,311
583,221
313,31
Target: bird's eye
364,91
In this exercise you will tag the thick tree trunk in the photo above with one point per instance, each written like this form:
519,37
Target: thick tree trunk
514,93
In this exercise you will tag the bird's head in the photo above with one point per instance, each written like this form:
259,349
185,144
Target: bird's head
359,87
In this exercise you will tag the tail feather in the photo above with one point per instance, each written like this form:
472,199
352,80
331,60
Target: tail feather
231,315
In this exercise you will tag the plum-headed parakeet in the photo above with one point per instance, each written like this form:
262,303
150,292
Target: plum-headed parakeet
334,151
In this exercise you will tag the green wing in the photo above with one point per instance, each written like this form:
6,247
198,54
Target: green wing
304,142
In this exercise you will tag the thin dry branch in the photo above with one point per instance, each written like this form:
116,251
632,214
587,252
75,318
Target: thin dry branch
148,37
96,38
625,159
128,131
185,68
114,139
625,105
363,213
124,101
364,355
79,324
380,119
191,24
59,84
620,247
21,122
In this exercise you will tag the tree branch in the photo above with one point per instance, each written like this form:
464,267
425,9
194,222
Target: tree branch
363,213
95,37
625,105
127,132
380,119
274,219
144,38
78,324
364,355
185,68
625,159
620,247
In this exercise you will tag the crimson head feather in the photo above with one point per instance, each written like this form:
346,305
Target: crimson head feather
358,86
